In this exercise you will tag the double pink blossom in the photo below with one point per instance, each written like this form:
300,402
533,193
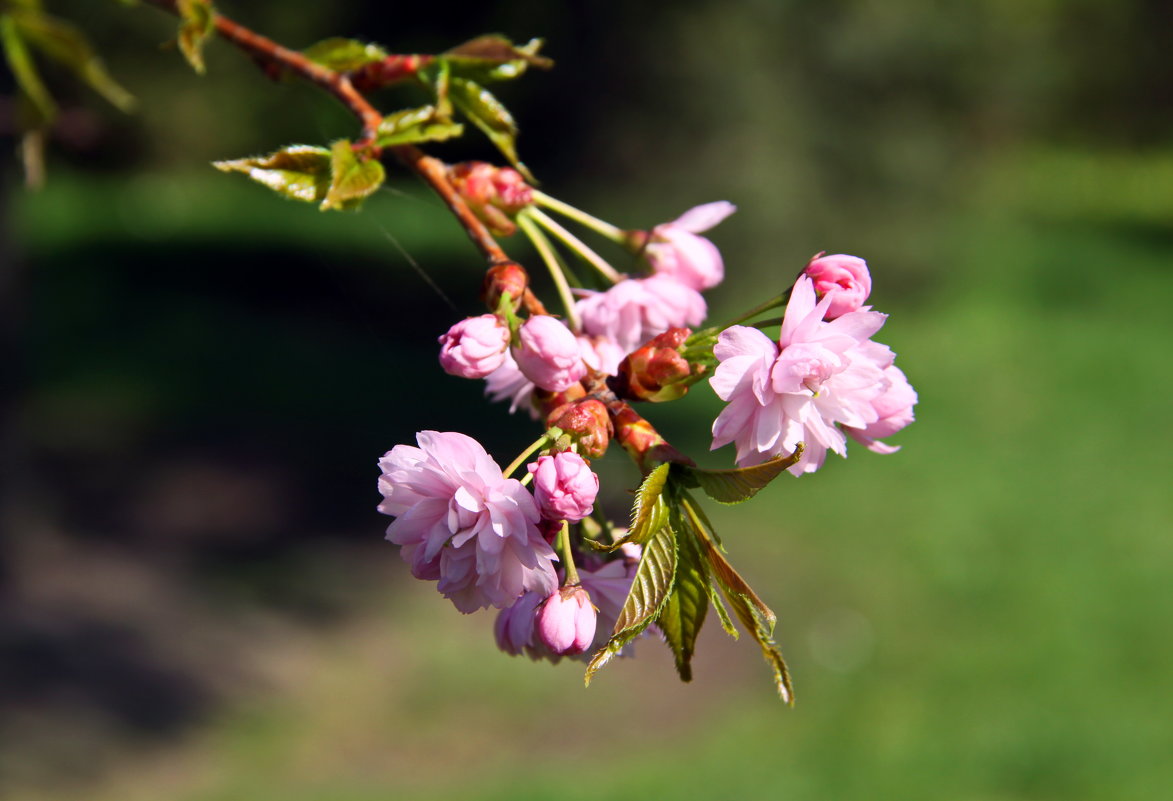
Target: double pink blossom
675,250
461,523
564,486
817,380
507,382
474,347
637,309
845,279
548,354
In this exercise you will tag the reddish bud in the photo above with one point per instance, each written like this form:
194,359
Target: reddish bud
587,423
505,277
495,194
656,371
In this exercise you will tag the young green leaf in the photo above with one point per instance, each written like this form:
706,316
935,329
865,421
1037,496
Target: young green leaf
196,23
351,181
298,172
344,55
650,512
415,125
649,590
488,114
495,58
67,45
739,484
28,79
685,609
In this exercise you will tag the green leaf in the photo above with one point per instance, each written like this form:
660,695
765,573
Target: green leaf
495,58
351,181
415,125
649,590
755,616
650,512
344,55
684,611
66,44
739,484
298,172
41,110
488,114
196,23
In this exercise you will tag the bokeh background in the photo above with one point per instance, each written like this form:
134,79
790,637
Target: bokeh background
195,599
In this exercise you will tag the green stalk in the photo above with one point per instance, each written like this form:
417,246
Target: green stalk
542,245
567,555
594,223
577,245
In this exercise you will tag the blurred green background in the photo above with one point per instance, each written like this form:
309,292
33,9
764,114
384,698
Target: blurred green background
195,599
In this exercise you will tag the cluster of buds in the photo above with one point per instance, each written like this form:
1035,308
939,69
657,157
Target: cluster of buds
495,194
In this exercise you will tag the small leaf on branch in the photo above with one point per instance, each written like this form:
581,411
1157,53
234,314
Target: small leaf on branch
41,109
344,55
650,512
415,125
298,172
495,58
197,21
684,611
67,45
738,484
753,613
649,590
351,180
490,115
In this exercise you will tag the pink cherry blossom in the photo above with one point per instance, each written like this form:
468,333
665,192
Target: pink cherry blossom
636,309
564,486
507,382
600,353
820,378
675,250
845,279
549,354
894,409
565,622
474,347
514,627
461,523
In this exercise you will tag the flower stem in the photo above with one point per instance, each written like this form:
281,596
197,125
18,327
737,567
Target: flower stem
773,303
541,442
567,555
579,216
577,245
542,245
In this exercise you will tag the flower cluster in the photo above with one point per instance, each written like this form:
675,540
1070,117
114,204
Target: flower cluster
565,581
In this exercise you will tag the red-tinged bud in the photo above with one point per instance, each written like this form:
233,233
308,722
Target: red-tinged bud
392,69
656,371
505,277
641,441
548,401
549,529
495,194
587,423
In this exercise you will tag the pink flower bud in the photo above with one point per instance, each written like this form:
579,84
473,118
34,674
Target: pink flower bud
564,486
674,248
549,354
566,621
845,278
474,347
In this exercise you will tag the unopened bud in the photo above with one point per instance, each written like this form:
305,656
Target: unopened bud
844,278
548,354
504,277
656,371
565,487
495,194
566,621
587,423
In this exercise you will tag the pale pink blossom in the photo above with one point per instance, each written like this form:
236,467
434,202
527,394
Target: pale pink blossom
548,354
601,354
461,523
894,409
474,347
514,627
819,378
564,486
507,382
845,279
565,623
675,250
637,309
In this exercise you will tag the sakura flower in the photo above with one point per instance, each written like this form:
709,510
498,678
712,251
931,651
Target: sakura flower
636,309
565,623
461,523
514,627
675,250
507,382
819,378
894,408
474,347
845,279
564,486
549,354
